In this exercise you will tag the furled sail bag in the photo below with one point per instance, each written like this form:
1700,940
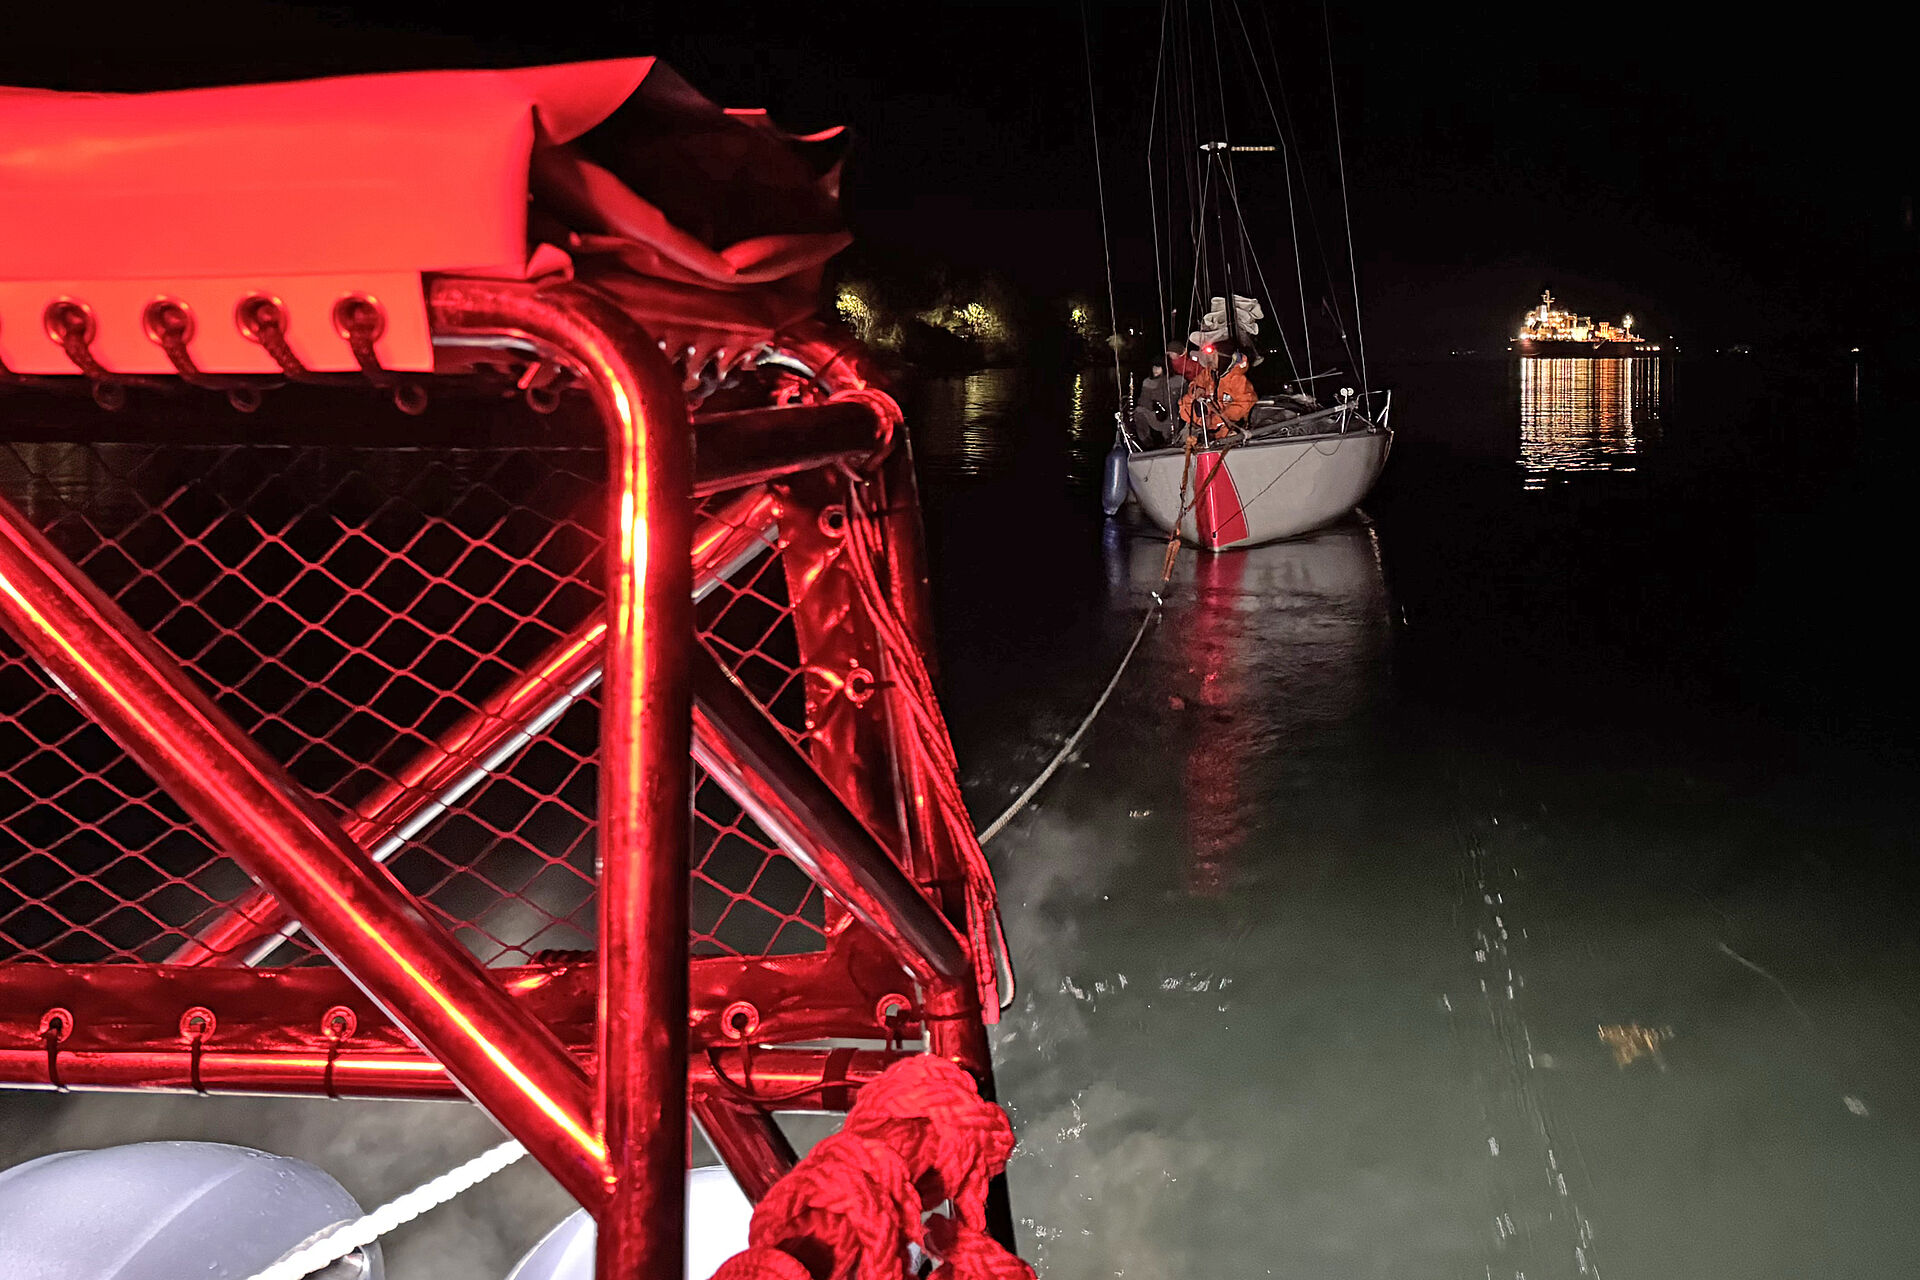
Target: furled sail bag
1213,325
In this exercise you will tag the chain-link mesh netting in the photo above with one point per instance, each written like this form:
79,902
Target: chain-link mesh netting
346,607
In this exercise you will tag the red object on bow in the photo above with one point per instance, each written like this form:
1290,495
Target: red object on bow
966,1254
1184,365
919,1136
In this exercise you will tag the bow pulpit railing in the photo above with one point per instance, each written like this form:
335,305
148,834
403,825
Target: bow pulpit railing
504,688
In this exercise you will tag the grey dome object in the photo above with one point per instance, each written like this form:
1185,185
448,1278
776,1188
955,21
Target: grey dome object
717,1217
168,1211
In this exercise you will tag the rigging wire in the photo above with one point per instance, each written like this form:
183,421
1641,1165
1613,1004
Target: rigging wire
1173,152
1233,191
1286,166
1106,243
1196,176
1353,263
1223,159
1153,201
1199,247
1313,218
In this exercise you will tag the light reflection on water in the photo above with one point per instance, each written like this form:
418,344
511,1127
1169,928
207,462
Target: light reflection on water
965,425
1586,415
1255,1033
995,424
1164,907
1281,651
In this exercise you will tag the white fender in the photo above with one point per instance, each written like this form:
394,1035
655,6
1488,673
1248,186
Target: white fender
166,1211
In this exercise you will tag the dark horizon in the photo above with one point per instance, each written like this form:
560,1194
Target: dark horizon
1723,183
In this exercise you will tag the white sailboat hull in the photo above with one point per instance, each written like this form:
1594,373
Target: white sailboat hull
1262,490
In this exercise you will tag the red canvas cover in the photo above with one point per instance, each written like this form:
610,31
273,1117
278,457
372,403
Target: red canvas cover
711,225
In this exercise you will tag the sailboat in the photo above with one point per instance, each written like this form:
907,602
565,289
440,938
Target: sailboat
1290,462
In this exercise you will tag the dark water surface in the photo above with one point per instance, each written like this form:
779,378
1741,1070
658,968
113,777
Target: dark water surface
1517,883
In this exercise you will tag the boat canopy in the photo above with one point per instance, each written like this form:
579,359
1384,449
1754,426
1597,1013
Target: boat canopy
709,226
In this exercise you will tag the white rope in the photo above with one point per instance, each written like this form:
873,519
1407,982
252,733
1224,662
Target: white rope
1033,788
363,1231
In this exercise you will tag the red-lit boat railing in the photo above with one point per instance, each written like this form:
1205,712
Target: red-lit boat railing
792,704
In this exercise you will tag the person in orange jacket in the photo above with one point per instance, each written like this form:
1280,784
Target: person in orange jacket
1235,394
1196,406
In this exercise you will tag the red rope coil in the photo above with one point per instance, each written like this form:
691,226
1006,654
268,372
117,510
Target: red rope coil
918,1137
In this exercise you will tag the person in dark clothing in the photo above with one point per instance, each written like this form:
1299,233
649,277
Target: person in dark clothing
1158,407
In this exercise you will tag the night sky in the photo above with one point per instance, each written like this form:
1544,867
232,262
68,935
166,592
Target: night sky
1724,174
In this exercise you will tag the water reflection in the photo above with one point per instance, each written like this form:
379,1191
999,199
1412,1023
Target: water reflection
1090,416
1277,648
965,426
1002,424
1586,415
1188,1051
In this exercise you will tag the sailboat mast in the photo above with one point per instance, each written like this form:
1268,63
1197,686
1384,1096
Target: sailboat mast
1153,200
1216,158
1222,153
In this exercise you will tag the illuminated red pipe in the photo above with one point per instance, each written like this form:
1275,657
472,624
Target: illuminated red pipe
755,764
747,1140
376,931
731,534
645,769
844,368
754,445
256,923
765,775
801,1079
481,742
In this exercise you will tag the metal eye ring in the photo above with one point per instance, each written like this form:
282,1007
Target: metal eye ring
166,319
739,1020
248,318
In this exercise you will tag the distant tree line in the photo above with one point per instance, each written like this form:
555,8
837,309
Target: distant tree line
946,319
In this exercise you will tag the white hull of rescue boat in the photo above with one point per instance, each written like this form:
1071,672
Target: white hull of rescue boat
1241,494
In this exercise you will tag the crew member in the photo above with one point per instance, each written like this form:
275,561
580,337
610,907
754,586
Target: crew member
1159,403
1235,395
1197,409
1183,365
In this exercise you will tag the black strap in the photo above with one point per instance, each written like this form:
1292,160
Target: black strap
53,1036
333,1053
193,1064
835,1093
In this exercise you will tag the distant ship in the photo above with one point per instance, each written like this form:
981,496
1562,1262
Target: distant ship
1560,334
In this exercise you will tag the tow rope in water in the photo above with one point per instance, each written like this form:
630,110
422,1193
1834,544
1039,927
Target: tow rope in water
994,828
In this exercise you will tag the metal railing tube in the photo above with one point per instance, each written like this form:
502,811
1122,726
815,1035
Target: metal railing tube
645,768
370,925
764,774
